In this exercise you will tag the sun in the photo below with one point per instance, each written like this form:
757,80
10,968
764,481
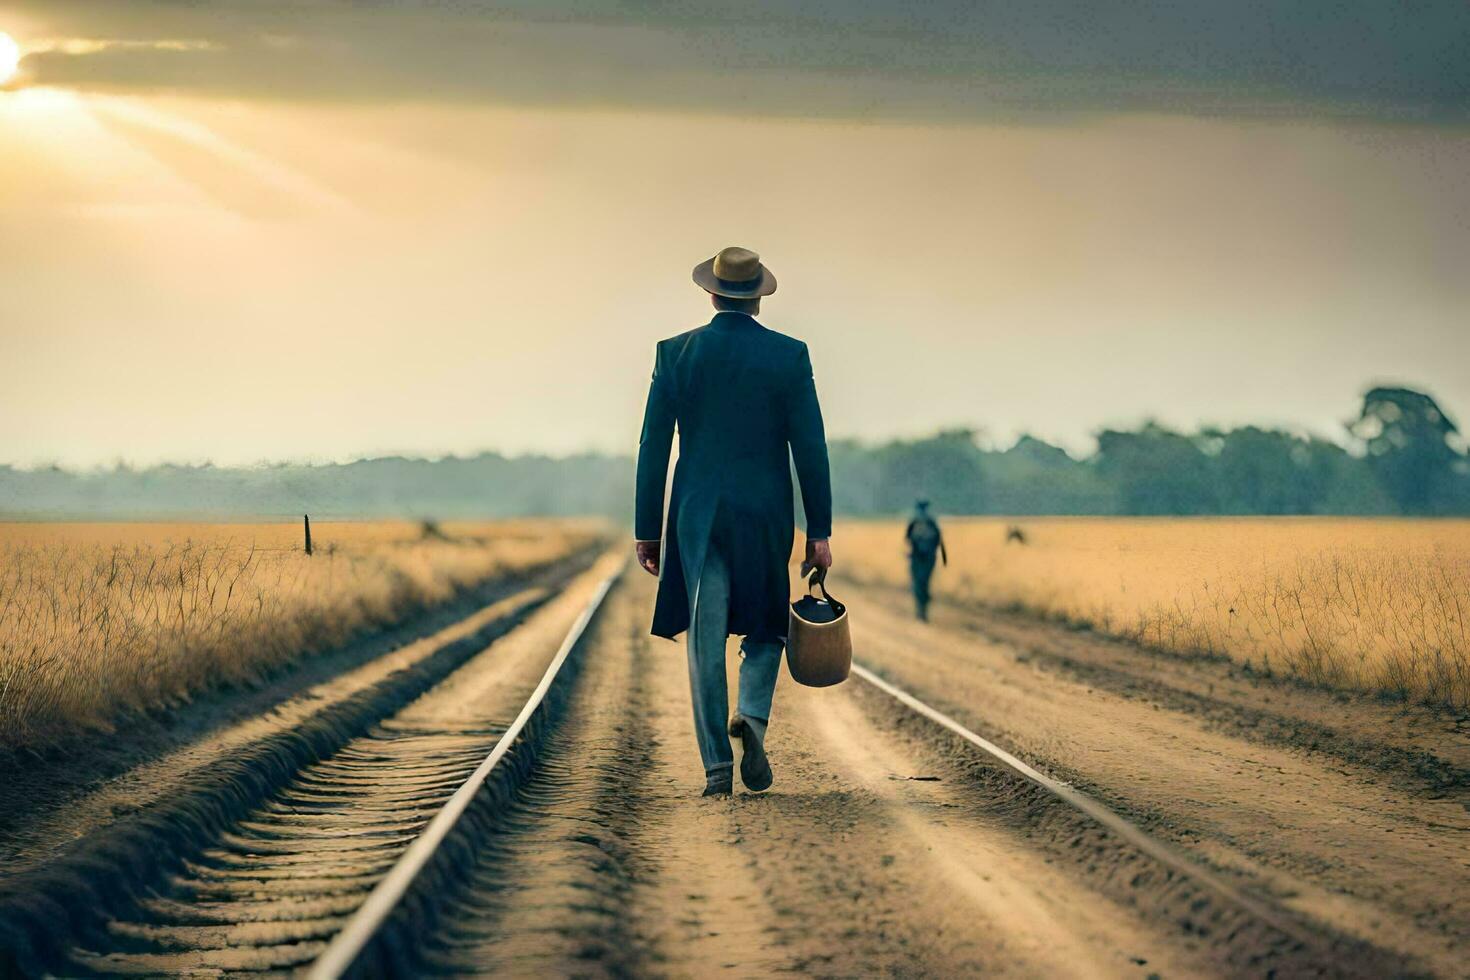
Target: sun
9,57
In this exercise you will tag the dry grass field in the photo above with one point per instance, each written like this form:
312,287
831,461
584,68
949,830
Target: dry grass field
101,620
1376,605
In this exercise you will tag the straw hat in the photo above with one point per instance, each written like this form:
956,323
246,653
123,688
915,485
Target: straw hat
737,273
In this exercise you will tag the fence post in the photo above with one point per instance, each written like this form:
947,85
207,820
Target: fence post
306,523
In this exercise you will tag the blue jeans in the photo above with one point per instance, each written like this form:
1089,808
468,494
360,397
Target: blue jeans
759,666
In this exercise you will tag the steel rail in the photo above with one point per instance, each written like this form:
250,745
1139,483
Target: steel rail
1121,826
345,948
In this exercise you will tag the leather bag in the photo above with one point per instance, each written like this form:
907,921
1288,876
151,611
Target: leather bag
818,640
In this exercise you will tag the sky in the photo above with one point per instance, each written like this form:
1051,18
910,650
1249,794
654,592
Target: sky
257,230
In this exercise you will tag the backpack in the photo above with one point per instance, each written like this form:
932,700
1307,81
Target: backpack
924,537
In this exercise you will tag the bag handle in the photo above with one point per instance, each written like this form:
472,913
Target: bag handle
818,579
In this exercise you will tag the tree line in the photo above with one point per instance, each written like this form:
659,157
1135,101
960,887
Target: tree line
1401,455
487,485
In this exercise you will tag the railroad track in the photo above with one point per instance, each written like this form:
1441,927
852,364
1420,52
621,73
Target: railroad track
263,887
373,861
417,905
368,925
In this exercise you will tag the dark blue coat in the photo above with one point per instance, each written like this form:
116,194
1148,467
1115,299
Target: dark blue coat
740,395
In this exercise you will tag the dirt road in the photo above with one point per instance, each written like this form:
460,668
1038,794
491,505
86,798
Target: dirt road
1350,812
881,852
886,847
849,866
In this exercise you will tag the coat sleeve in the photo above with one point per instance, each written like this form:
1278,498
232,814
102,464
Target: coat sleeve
654,446
808,439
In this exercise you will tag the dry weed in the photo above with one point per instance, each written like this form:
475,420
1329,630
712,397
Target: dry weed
1376,605
101,621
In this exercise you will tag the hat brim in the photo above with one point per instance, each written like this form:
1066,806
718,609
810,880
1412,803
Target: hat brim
705,278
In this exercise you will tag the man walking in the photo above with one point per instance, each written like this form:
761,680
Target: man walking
745,404
925,541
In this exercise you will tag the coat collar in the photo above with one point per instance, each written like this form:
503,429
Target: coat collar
731,318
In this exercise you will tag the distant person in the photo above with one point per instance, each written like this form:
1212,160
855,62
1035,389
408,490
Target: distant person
740,395
925,541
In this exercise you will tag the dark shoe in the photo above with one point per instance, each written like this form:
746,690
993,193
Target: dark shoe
719,783
755,768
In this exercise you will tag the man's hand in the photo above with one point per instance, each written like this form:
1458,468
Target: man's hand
648,556
818,555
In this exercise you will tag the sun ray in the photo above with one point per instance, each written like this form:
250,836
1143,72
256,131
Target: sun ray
50,145
194,152
62,145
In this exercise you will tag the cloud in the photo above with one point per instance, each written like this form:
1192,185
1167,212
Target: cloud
95,45
942,59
